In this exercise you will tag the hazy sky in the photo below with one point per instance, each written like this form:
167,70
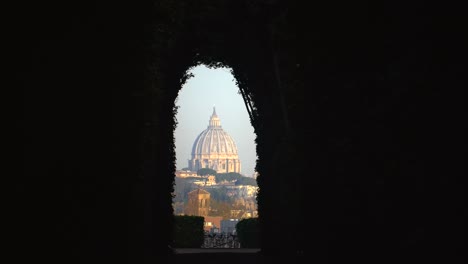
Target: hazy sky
208,88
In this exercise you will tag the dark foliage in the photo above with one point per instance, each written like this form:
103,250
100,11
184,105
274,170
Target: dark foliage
230,176
206,171
357,108
248,232
219,194
188,231
246,181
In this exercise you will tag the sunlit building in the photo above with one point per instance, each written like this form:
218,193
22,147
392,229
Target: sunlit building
198,203
214,149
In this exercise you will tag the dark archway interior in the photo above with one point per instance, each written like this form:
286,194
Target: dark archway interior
356,107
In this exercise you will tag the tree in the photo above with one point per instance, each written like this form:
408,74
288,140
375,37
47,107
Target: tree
206,171
220,208
246,181
248,233
230,176
182,187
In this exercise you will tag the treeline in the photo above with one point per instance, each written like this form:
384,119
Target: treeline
184,185
229,177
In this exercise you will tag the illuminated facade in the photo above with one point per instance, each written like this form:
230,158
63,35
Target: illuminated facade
215,149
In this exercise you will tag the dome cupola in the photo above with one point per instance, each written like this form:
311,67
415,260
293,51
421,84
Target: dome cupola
215,149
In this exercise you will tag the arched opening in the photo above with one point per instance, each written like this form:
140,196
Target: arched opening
368,93
215,151
252,58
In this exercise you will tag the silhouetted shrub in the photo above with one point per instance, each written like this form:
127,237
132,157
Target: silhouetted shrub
248,233
188,231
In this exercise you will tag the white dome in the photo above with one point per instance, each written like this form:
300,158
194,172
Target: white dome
215,149
214,140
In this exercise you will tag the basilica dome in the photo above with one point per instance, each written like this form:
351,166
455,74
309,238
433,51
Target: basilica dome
214,148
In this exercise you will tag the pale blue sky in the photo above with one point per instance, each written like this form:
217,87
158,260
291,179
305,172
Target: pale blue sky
208,88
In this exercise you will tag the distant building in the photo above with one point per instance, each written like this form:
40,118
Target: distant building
229,225
215,149
210,180
186,173
213,224
198,203
206,181
236,213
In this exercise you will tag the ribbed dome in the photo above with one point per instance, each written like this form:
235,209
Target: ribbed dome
214,149
214,140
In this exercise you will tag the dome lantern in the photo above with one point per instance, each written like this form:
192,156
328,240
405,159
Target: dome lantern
214,149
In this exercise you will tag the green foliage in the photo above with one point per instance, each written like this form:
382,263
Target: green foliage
192,179
219,194
220,208
234,176
230,176
188,231
206,171
182,187
248,233
246,181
